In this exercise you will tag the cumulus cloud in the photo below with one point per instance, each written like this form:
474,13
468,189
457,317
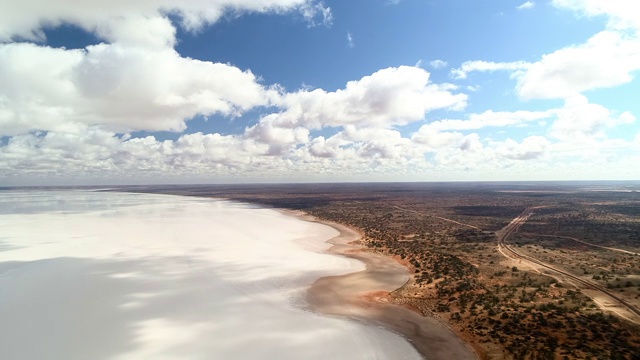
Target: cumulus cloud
471,143
388,97
622,14
65,113
120,87
607,59
99,153
326,148
577,121
26,19
436,139
139,31
530,148
365,110
278,139
449,134
580,121
135,81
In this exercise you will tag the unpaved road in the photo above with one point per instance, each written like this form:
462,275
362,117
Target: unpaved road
585,243
437,217
630,312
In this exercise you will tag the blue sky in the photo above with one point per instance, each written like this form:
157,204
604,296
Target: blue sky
217,91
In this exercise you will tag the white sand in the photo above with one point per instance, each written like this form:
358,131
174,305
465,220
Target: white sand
86,275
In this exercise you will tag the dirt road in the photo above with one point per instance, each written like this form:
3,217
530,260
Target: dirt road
629,312
585,243
437,217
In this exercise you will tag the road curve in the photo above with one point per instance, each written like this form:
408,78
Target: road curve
505,249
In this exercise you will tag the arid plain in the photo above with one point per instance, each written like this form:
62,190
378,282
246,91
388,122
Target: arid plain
516,270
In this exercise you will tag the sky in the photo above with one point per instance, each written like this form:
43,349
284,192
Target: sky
250,91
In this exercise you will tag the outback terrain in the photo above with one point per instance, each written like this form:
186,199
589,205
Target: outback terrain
518,270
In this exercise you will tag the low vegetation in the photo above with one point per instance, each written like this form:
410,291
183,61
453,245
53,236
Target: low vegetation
445,235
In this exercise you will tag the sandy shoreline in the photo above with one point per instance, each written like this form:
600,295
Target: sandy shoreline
362,296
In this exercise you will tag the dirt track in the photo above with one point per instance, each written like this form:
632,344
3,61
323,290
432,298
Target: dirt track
623,309
585,243
438,217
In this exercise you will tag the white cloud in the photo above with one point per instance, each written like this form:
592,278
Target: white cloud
278,139
489,118
126,88
530,148
137,81
375,146
36,88
487,66
437,139
134,31
446,133
388,97
363,143
349,39
471,143
26,18
438,64
120,87
365,110
316,13
64,110
526,5
622,14
353,153
577,121
376,143
580,121
326,148
97,154
607,59
100,155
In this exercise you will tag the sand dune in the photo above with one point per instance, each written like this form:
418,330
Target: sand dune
86,275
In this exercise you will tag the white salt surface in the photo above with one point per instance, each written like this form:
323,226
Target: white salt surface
91,275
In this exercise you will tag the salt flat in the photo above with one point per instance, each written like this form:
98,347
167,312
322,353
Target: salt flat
95,275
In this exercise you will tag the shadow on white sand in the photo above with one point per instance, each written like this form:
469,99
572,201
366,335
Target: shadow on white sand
167,279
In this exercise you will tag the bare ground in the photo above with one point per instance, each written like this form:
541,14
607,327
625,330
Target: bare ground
363,296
